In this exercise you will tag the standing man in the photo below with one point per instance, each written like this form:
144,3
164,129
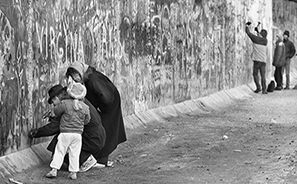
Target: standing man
259,56
279,60
290,52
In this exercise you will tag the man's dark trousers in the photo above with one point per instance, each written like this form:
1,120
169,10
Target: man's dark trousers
259,66
278,76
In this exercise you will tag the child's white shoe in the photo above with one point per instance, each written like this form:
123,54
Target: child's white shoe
52,174
72,175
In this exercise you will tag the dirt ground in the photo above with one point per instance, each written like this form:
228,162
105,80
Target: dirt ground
253,141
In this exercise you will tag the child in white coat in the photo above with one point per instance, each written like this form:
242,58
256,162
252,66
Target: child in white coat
74,115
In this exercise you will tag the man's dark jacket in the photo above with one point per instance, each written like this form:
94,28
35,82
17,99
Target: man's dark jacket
93,137
290,49
279,55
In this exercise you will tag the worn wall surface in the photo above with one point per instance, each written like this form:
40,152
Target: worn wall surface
157,52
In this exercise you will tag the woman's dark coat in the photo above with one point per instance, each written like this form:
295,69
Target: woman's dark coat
103,94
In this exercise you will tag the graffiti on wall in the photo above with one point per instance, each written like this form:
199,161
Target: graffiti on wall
157,52
13,82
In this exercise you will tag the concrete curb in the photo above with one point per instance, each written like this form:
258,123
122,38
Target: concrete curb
213,102
24,159
37,154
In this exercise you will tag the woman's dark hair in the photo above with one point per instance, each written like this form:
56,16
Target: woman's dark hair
70,71
263,33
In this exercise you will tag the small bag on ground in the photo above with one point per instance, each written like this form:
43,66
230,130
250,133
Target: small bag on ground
271,86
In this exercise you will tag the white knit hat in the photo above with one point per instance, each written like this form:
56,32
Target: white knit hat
76,90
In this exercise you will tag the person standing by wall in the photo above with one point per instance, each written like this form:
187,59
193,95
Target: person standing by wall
290,52
259,56
279,60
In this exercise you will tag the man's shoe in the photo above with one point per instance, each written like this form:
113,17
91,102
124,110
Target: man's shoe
278,88
287,87
98,165
72,176
257,91
264,92
88,164
52,174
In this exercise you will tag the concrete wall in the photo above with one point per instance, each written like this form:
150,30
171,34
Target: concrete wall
157,52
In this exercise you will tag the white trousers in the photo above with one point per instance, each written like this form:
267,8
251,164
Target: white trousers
67,143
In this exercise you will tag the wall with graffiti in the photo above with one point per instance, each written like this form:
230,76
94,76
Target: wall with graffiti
157,52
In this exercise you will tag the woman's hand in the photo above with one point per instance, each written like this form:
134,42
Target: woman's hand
32,133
